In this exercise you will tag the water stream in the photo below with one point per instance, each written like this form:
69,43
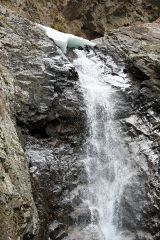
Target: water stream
107,159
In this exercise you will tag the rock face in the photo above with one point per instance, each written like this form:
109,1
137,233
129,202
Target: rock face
97,17
40,99
139,46
137,109
45,12
92,18
18,215
43,118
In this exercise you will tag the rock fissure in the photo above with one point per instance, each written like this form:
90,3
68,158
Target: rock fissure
44,126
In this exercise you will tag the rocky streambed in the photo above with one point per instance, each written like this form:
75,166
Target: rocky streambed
44,128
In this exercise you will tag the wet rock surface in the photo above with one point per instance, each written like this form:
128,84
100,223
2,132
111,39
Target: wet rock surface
139,47
49,116
42,101
55,173
45,81
138,211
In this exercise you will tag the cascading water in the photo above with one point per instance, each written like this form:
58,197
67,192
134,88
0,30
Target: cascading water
108,161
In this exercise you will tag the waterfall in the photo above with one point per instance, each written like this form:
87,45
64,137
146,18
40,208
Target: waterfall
107,159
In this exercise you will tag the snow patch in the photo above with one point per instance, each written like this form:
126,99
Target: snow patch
66,40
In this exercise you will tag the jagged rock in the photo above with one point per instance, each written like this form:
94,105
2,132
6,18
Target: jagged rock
56,231
56,174
137,213
80,216
139,47
40,90
92,18
18,215
44,102
45,12
46,86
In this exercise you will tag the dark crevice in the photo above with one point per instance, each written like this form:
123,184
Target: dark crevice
92,34
37,130
38,133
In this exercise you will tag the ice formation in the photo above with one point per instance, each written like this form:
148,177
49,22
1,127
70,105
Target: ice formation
66,40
